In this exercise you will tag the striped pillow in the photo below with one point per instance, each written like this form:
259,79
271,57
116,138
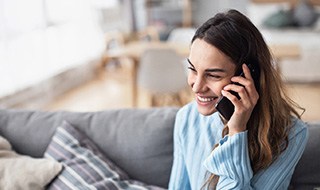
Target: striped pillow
85,167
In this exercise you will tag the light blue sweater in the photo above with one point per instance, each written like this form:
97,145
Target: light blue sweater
194,138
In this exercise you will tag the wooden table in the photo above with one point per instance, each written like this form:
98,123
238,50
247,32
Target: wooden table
134,51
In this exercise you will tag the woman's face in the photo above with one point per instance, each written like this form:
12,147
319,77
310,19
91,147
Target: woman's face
210,71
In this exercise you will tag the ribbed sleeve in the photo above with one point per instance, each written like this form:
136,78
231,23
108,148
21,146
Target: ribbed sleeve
230,160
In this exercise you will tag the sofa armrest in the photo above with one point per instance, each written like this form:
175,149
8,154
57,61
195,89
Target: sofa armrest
307,172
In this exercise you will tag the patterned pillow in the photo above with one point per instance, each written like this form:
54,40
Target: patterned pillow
85,166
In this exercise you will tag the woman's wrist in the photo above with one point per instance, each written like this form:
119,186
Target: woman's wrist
235,131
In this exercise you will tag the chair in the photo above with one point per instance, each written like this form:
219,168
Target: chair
182,36
161,72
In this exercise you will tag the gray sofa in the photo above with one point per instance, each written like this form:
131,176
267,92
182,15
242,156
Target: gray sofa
138,140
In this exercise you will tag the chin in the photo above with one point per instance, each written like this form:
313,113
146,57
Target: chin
206,111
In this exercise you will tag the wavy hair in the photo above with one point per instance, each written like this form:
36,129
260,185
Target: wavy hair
269,124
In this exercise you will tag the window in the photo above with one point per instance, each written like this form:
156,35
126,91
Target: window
40,38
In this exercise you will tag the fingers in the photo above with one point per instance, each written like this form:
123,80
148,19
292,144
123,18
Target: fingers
246,90
234,100
246,71
244,101
243,80
240,89
247,82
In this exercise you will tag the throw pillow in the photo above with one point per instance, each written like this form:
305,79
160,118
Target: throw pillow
280,19
85,166
305,14
24,172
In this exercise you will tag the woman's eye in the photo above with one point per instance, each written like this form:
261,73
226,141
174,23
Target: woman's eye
214,76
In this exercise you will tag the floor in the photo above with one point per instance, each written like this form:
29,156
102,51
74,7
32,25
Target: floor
112,90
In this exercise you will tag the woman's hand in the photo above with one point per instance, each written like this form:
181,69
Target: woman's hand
243,107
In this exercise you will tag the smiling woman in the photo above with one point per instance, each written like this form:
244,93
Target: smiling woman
259,146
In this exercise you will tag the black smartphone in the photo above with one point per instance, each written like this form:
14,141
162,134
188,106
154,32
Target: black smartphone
224,105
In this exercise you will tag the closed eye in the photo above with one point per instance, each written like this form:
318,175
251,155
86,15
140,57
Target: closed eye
209,73
214,76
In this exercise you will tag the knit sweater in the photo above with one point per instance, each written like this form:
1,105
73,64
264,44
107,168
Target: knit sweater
194,138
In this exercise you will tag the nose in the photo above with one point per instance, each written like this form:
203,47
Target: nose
198,84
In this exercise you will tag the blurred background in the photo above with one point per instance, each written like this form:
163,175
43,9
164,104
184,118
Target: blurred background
91,55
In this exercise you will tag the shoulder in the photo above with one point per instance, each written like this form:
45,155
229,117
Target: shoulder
298,128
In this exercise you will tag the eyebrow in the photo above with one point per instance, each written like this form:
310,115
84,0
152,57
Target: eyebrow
208,70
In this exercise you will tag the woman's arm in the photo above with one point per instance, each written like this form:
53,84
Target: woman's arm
230,161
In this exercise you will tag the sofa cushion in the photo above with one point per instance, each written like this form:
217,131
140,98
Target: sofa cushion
84,164
138,140
307,171
24,172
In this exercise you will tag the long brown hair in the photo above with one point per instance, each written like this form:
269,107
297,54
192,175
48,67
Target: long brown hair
268,127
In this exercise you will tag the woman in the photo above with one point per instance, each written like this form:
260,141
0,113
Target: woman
260,145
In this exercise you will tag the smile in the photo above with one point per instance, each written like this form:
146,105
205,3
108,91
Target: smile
203,99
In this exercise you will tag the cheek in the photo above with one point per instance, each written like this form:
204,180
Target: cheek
216,87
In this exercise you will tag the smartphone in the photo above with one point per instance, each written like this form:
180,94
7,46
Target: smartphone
224,105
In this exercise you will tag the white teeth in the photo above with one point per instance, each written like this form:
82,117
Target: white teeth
205,99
